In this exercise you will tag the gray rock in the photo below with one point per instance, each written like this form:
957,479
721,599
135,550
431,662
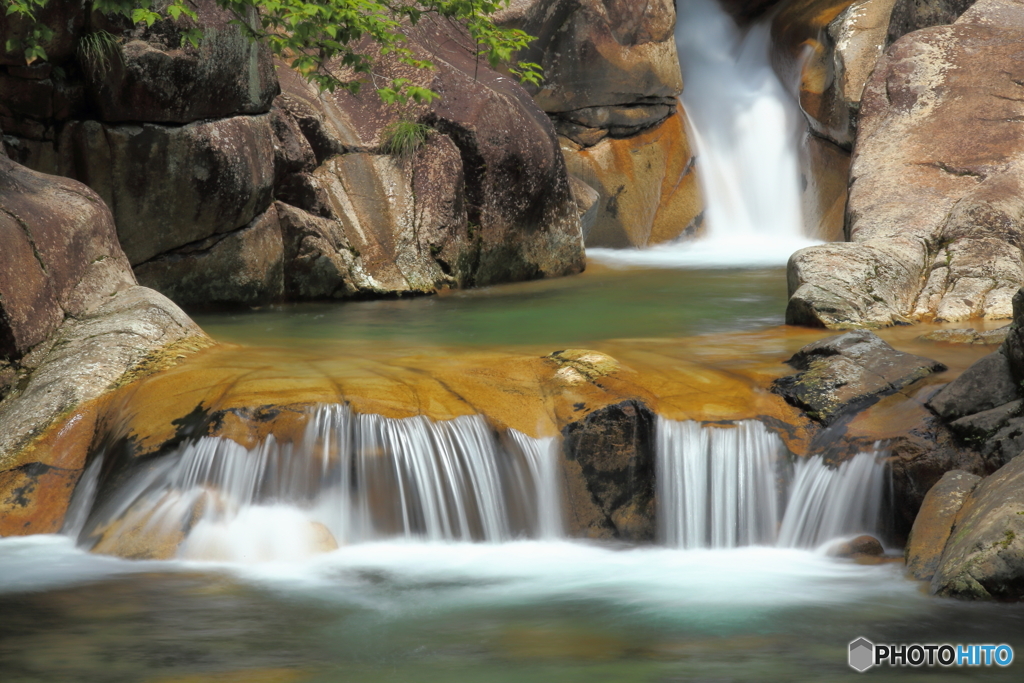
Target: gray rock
843,374
912,15
1005,444
984,557
60,256
935,225
983,386
982,426
248,263
934,522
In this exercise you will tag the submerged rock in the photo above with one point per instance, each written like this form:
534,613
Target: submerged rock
861,546
935,224
934,522
984,556
844,374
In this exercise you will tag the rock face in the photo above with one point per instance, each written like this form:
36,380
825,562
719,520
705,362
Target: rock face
934,224
913,15
984,556
485,199
935,521
612,79
841,375
609,469
60,257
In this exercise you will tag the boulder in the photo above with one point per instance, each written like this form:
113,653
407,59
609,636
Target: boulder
967,336
983,386
60,256
249,263
485,198
599,52
171,186
859,547
608,459
934,522
157,80
935,224
984,556
649,192
844,374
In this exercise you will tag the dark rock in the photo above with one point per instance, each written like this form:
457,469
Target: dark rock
1013,347
984,556
843,374
983,386
609,468
249,264
65,19
934,522
913,15
156,80
60,255
1005,444
862,545
746,11
981,426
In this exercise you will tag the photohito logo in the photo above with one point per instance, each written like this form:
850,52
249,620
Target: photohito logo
864,654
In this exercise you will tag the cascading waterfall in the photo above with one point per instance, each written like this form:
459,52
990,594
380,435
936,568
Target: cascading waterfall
719,487
360,477
745,128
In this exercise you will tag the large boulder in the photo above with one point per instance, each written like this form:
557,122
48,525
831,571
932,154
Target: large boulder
60,257
984,556
844,374
935,224
611,79
485,198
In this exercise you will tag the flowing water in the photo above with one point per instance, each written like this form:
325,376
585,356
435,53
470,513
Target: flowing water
453,565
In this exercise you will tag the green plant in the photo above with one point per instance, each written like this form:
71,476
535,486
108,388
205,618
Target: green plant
320,39
98,50
404,137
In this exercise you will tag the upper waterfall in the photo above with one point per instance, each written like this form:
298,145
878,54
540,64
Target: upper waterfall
745,128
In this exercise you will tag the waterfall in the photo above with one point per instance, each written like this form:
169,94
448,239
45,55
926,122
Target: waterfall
351,477
827,502
720,487
745,128
716,486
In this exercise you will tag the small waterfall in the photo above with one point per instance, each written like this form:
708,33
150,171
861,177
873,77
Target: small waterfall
827,502
716,486
352,477
745,128
720,487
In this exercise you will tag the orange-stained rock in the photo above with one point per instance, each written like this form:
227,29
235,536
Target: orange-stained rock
647,182
826,173
934,522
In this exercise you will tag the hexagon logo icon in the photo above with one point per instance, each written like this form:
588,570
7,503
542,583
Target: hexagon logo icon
862,654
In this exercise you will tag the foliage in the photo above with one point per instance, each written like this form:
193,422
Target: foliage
320,38
404,137
98,50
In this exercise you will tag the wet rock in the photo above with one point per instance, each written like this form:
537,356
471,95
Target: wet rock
588,203
157,80
609,470
967,336
934,522
935,224
983,386
647,183
1013,347
249,263
861,546
60,256
984,556
844,374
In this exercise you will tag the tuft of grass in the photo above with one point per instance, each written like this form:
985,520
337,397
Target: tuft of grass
404,138
97,51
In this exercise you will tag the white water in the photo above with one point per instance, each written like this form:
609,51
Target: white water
719,487
355,478
745,128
